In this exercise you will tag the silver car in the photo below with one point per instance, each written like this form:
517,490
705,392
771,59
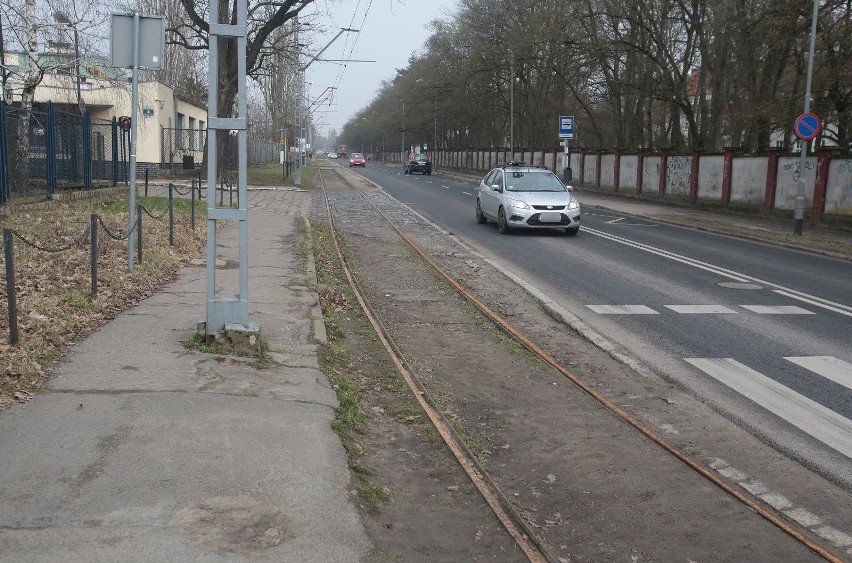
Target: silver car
517,195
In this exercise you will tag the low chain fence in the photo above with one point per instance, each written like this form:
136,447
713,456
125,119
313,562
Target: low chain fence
97,233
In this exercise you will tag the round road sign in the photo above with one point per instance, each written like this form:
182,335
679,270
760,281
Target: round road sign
808,126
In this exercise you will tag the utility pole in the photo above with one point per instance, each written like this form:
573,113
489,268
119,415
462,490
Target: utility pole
404,150
511,105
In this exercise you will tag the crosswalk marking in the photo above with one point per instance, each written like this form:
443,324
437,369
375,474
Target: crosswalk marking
622,310
777,310
811,417
829,367
693,309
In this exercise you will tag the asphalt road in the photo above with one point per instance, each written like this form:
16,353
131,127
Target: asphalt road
762,331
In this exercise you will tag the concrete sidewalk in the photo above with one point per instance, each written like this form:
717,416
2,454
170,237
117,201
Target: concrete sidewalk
143,450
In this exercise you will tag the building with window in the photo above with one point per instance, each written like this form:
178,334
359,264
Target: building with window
171,131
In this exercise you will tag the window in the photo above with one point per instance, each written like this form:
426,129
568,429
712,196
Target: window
191,133
181,118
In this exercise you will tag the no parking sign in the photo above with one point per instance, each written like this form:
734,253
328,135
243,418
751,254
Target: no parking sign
808,126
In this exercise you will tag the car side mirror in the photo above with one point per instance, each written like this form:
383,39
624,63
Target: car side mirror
569,187
496,188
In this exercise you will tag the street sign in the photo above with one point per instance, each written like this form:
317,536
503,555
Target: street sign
808,126
566,126
152,36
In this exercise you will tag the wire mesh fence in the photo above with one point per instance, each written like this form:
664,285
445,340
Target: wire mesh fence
25,138
182,148
69,145
105,161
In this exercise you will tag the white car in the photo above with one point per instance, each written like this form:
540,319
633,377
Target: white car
519,196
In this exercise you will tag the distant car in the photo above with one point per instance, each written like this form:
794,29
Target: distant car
520,196
357,159
332,155
418,163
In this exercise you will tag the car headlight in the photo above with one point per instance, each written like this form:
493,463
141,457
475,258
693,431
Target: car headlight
518,203
574,204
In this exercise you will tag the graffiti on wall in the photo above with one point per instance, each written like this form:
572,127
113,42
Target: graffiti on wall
678,171
792,168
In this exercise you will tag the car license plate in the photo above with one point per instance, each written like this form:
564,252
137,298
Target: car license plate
550,217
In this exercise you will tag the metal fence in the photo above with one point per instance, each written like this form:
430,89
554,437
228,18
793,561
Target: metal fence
42,151
185,148
182,148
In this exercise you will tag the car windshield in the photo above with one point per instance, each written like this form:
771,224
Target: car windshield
357,155
525,181
420,157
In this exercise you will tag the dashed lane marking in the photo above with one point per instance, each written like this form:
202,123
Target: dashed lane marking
729,274
777,310
699,309
622,310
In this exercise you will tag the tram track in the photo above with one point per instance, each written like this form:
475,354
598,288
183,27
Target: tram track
514,522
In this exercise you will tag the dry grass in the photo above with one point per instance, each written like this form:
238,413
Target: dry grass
53,289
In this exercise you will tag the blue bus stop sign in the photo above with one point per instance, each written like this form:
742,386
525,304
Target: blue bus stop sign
808,126
566,126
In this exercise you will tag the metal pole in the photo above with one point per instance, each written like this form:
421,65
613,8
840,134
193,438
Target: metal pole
94,251
139,239
404,150
799,213
435,140
77,69
171,215
134,102
511,105
192,207
11,299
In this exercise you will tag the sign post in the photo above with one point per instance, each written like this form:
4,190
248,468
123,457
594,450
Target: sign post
135,41
566,133
806,121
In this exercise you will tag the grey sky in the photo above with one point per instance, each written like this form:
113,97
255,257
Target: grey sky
391,30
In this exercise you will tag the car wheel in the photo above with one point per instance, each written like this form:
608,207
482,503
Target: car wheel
480,217
428,173
502,222
573,231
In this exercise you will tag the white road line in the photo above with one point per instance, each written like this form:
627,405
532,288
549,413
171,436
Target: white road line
811,417
467,193
777,310
829,367
693,309
622,310
730,274
615,220
812,302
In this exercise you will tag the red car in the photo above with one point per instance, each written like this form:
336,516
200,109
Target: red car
357,159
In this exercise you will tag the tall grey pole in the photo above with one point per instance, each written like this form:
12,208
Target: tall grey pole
77,68
799,212
511,105
404,156
134,102
435,140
